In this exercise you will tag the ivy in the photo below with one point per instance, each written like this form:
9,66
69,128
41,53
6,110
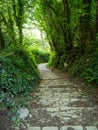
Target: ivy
13,79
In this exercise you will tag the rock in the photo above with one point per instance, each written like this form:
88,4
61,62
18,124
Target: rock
17,128
70,128
23,113
30,115
65,65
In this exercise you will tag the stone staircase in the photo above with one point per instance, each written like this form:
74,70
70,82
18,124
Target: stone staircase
60,104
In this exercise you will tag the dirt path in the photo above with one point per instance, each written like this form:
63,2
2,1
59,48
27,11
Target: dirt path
60,104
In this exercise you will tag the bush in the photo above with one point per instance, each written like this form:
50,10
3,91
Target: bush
57,61
86,66
25,61
78,66
18,77
91,71
40,56
53,61
14,80
18,74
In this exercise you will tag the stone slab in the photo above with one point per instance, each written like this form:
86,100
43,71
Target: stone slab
34,128
78,128
71,128
91,128
50,128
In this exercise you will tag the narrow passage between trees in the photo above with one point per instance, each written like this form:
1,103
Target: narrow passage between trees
59,103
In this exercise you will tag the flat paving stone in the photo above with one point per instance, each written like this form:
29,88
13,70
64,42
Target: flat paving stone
63,128
71,128
91,128
34,128
17,128
50,128
78,128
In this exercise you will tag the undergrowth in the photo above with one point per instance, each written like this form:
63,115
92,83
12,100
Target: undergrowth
18,77
53,60
40,56
86,66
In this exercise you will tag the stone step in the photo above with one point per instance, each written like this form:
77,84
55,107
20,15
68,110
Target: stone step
57,84
58,89
76,103
64,128
64,101
85,115
71,108
57,95
49,102
67,109
74,115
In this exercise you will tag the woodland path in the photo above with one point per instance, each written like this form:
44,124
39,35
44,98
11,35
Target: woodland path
59,103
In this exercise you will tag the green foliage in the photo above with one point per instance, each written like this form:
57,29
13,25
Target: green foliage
86,66
78,65
40,51
40,56
91,72
50,19
54,59
24,60
18,77
71,28
15,80
12,19
31,42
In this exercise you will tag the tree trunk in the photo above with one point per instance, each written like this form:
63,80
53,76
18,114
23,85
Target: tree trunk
20,19
96,26
67,33
11,25
86,34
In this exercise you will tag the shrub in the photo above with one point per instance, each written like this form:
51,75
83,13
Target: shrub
91,71
24,60
40,56
86,66
78,66
14,80
18,75
53,59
